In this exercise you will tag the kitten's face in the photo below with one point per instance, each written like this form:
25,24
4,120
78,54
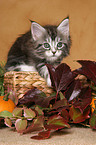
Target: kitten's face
53,48
53,41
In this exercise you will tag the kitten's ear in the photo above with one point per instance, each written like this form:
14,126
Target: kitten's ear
37,31
63,27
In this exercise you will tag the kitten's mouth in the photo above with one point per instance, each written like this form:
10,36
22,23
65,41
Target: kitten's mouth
54,55
52,58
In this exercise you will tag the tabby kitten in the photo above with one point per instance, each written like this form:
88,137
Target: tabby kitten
41,45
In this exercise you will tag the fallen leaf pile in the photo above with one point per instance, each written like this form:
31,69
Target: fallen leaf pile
71,102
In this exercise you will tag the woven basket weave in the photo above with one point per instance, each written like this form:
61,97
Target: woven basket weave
21,82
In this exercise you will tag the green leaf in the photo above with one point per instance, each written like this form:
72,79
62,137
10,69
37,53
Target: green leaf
6,114
17,112
93,120
8,122
56,122
77,116
20,125
61,95
39,110
29,113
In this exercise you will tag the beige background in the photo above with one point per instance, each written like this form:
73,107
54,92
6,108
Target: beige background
15,15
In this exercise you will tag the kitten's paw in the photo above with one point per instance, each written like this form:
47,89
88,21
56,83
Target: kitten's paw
48,82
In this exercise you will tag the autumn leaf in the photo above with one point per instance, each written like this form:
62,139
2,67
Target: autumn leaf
39,110
36,97
93,120
42,135
8,122
88,69
31,97
83,100
65,114
60,103
17,112
36,125
29,113
73,90
56,122
61,77
20,125
77,116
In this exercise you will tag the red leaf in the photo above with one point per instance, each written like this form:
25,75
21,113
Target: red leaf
61,77
37,97
33,96
64,76
60,103
73,90
42,135
77,116
84,99
65,114
47,100
88,69
50,112
56,122
37,125
54,127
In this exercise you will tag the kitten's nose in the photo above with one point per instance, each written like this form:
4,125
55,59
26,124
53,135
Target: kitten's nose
53,52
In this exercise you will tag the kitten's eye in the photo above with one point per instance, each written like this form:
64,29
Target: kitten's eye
59,44
46,45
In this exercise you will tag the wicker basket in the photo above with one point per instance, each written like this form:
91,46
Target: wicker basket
21,82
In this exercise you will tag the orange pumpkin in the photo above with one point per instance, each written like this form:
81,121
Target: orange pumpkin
6,104
93,104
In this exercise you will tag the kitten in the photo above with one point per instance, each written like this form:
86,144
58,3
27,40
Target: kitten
41,45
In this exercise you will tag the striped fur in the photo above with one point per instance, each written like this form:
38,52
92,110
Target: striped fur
48,44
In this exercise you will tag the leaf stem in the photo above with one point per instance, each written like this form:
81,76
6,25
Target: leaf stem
5,98
56,96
